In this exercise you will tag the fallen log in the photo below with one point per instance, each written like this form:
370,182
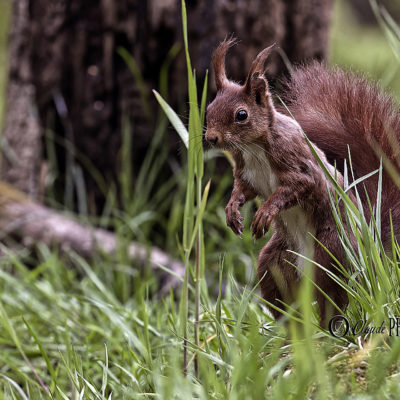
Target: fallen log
29,220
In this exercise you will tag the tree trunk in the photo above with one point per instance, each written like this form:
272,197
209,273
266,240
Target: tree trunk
68,81
21,139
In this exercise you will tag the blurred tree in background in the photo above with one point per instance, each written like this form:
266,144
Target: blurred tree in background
69,75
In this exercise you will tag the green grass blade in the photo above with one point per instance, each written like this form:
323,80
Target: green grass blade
137,74
174,119
200,214
42,351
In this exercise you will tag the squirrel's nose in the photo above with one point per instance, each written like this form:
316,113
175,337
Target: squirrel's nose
212,139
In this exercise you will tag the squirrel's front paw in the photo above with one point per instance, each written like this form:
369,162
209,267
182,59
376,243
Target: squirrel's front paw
261,221
234,218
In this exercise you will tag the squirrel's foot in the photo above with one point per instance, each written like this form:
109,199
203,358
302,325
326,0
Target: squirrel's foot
261,221
234,218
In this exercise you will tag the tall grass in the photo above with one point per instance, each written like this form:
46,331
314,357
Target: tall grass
195,199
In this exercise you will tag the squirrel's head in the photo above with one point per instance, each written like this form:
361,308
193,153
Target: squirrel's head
239,114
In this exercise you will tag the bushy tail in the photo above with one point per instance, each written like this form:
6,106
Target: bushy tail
339,111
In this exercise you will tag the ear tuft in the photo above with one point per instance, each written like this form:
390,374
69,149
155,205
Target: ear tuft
218,61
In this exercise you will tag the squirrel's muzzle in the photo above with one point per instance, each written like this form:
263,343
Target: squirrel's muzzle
212,137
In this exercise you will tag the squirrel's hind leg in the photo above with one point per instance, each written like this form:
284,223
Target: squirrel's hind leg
325,282
278,279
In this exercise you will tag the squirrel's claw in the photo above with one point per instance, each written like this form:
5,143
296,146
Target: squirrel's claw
261,223
234,218
237,227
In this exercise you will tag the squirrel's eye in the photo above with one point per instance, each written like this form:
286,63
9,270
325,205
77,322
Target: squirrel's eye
241,115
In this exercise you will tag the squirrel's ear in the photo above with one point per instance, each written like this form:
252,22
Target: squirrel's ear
258,67
218,61
257,88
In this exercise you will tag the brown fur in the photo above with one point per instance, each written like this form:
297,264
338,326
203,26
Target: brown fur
274,161
218,61
338,110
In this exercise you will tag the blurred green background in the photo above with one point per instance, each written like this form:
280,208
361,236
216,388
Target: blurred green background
363,48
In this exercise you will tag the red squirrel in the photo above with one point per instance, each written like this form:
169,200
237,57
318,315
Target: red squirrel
273,161
340,112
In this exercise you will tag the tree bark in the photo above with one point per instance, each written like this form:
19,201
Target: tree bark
21,138
300,30
67,77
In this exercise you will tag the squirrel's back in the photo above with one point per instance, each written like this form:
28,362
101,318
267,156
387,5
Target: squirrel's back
338,110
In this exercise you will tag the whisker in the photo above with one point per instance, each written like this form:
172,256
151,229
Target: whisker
253,154
269,153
